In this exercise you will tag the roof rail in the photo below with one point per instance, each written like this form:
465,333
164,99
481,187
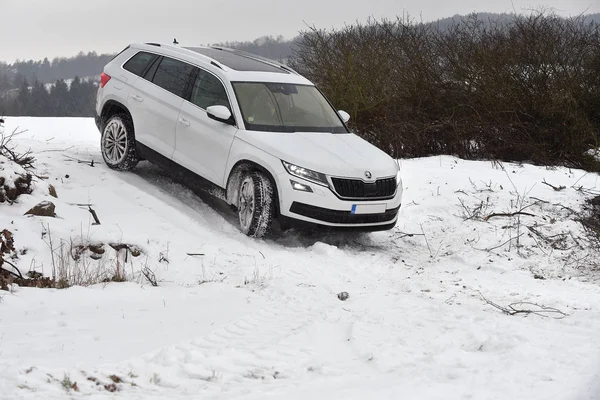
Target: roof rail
195,54
153,44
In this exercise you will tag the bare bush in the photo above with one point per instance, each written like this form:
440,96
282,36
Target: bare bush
78,262
526,89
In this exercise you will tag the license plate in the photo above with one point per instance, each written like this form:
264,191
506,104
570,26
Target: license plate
368,209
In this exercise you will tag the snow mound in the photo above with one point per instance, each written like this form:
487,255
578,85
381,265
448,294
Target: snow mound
14,180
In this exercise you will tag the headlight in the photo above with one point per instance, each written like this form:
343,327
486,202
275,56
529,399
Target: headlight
312,176
398,177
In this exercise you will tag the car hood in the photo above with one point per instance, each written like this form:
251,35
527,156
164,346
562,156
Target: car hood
344,155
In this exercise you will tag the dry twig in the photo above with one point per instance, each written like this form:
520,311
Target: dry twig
507,215
557,188
149,275
532,308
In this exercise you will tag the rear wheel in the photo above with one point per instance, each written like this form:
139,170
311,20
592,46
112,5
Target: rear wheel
255,204
118,143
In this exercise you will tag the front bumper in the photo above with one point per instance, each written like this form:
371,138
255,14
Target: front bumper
323,207
343,217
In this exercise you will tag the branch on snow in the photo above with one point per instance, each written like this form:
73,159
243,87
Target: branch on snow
507,215
525,307
557,188
90,163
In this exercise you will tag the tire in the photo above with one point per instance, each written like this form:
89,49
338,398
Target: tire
117,143
256,207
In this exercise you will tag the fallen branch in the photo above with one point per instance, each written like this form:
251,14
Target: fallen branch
557,188
90,163
539,200
518,308
195,254
507,215
404,234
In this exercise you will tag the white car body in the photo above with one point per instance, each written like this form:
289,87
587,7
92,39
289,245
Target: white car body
181,134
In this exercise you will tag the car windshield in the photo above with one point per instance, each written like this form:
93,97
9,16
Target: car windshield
285,107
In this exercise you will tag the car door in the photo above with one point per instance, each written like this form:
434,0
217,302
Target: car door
203,144
157,99
135,68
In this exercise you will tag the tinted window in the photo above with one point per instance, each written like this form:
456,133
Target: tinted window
208,91
172,75
149,75
138,63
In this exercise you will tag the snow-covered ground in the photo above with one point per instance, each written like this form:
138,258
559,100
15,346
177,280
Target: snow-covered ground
252,319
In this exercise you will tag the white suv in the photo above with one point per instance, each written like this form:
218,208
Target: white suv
255,132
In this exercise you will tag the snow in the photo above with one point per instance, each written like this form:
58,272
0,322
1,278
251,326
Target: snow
594,153
256,319
10,172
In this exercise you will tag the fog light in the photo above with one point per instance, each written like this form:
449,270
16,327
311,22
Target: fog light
301,187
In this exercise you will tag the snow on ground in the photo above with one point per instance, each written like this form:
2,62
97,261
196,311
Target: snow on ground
255,319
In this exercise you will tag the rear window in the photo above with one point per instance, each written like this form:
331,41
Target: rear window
138,63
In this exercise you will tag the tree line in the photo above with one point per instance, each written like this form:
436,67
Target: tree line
46,71
72,98
523,89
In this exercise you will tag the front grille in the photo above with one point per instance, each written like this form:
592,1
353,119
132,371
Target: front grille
357,189
342,217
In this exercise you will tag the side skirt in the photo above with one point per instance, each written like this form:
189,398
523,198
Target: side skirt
181,174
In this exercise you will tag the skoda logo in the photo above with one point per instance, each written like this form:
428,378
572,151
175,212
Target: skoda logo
368,174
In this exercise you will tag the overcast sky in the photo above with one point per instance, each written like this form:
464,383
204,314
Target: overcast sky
34,29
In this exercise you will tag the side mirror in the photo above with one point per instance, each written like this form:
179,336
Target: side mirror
344,115
221,114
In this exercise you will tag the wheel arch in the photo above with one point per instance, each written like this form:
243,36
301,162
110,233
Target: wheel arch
233,181
110,108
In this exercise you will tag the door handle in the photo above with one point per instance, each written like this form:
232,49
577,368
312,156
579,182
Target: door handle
137,98
184,121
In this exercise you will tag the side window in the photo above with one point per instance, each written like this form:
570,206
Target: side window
149,75
209,91
172,75
138,63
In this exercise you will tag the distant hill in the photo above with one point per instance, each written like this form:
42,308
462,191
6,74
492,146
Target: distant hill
444,23
278,48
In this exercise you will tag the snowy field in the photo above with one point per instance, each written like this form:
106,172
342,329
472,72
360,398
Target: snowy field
248,319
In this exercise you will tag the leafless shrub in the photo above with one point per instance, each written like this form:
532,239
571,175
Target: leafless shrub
7,149
591,221
526,89
474,212
76,262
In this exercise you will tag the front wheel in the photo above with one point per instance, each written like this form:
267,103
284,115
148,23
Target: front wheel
118,143
255,204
